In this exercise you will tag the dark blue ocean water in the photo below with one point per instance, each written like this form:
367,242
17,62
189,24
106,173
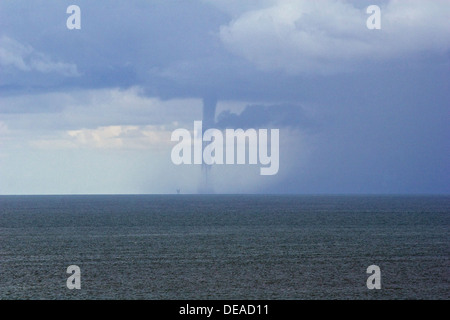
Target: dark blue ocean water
224,246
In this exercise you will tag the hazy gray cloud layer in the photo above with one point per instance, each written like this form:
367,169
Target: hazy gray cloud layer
237,49
359,110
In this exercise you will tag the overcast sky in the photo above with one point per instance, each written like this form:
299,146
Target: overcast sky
92,110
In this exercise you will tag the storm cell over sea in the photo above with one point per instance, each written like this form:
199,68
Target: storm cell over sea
221,149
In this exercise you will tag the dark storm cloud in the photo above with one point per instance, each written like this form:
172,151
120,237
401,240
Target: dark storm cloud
261,116
380,97
195,48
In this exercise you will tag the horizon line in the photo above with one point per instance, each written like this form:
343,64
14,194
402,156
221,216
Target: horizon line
232,194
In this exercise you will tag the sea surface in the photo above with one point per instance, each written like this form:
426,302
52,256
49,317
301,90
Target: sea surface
224,246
